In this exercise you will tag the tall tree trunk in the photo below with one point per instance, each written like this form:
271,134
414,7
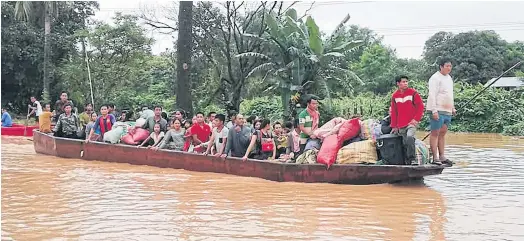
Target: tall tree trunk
47,51
183,90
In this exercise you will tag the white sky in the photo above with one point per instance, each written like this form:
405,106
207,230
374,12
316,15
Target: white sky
404,25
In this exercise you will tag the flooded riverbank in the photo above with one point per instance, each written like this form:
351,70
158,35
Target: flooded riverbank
46,198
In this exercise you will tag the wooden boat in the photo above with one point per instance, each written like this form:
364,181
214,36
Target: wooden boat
18,130
274,171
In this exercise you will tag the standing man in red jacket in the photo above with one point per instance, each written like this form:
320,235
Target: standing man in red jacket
407,109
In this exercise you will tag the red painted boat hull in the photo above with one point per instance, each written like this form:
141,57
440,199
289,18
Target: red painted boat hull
18,130
275,171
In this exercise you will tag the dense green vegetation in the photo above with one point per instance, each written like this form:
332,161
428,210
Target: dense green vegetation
256,62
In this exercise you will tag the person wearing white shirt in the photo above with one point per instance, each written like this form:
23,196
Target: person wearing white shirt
441,107
36,108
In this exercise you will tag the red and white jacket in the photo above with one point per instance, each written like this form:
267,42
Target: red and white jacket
406,106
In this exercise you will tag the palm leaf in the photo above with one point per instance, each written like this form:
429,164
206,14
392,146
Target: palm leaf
260,68
333,54
252,55
348,46
315,42
23,10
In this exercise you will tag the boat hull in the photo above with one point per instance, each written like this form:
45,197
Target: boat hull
274,171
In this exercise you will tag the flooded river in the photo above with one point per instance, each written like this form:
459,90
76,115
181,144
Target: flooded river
49,198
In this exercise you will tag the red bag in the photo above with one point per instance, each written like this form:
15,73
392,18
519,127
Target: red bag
328,151
267,143
349,129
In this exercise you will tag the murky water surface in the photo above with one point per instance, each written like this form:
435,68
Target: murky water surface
49,198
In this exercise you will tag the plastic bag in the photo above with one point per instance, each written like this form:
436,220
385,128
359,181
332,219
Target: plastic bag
113,136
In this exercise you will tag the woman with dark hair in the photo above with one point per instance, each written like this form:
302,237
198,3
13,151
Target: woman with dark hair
263,142
174,138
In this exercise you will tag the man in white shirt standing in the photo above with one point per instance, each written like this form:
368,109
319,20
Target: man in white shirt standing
36,108
441,107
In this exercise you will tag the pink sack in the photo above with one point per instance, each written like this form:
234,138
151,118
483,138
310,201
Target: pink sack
329,150
140,135
329,128
349,129
128,139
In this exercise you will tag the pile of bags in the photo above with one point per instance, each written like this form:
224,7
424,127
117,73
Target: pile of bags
351,142
127,133
137,134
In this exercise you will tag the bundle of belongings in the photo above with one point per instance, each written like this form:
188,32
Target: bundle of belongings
127,133
354,141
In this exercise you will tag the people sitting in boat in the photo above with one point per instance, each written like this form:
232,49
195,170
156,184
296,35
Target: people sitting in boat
238,138
210,119
104,122
232,120
174,137
85,117
280,136
256,125
36,108
188,136
155,136
308,121
61,103
111,110
201,132
45,119
91,125
407,109
6,118
179,115
218,140
67,124
157,118
262,143
293,146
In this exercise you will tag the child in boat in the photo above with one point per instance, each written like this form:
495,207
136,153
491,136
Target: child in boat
188,145
156,136
91,125
45,119
293,147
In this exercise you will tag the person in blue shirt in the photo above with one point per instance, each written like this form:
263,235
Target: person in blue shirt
6,119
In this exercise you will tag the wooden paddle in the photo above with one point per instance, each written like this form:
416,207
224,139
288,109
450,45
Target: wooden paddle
26,120
482,91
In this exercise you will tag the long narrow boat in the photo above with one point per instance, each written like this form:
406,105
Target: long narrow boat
274,171
18,130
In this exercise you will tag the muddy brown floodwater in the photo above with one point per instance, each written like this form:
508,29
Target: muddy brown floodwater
49,198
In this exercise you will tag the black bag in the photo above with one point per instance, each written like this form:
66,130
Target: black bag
390,149
385,127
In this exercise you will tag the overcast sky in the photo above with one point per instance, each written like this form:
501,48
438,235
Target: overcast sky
404,25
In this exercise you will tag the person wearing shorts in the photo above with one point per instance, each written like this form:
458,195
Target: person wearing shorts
441,107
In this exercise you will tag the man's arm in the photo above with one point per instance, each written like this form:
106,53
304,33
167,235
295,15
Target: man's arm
228,144
196,141
211,142
419,107
432,94
393,114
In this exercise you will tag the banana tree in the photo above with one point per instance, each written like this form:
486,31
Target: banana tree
303,62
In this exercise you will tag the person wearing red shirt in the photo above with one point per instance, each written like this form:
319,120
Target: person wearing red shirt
407,109
201,133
